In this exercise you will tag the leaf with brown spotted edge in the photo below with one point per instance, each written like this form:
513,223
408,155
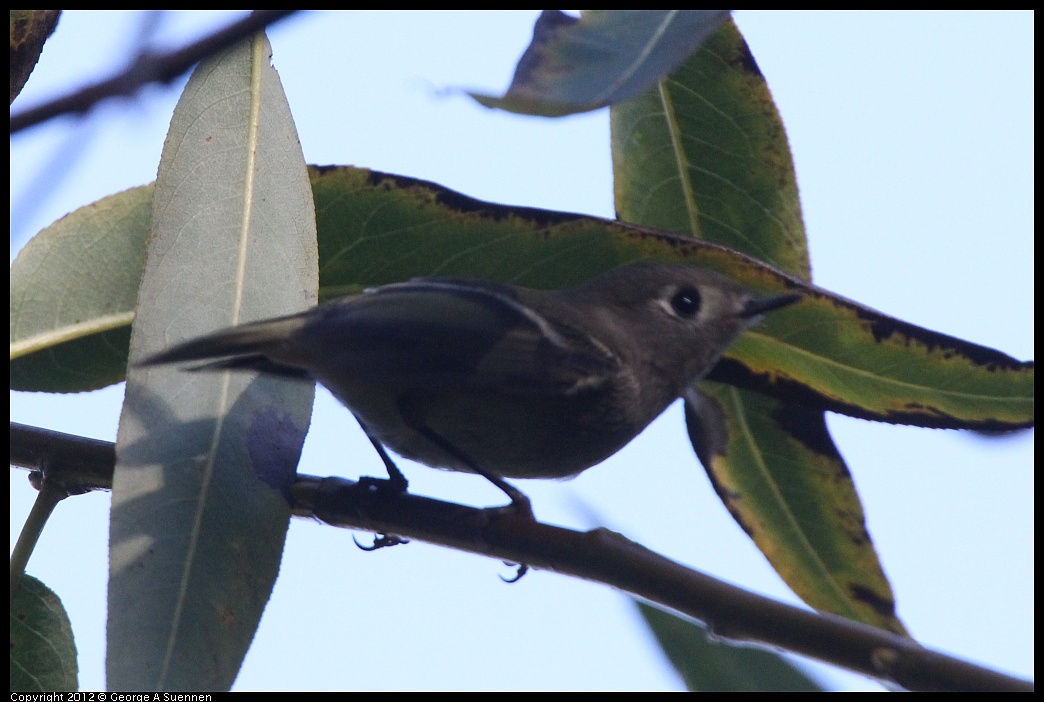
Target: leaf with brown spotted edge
836,355
777,471
706,153
376,228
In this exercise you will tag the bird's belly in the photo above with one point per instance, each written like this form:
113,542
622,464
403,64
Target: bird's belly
514,436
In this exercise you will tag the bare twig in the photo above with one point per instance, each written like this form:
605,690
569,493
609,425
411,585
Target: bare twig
598,555
148,68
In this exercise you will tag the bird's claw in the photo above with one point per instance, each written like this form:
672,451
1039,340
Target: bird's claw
522,570
381,541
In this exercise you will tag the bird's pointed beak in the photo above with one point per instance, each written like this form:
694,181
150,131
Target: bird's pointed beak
761,305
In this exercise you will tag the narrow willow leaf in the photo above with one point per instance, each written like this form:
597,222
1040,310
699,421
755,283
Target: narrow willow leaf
199,506
603,58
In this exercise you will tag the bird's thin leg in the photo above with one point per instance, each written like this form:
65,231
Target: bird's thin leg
519,500
396,480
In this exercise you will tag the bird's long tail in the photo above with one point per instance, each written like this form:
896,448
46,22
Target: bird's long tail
255,346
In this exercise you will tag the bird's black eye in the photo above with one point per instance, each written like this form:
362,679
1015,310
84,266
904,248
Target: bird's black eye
686,302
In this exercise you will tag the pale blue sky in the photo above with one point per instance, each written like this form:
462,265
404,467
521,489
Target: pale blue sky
913,139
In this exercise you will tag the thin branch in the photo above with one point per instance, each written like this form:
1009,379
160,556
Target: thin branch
148,68
606,557
46,500
75,462
598,555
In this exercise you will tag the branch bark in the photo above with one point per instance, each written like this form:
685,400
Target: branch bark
600,555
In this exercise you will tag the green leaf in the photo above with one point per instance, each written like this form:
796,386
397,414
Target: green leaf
376,228
706,153
779,474
710,666
603,58
29,29
74,289
43,653
833,354
199,505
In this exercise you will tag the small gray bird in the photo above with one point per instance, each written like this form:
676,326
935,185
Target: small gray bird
500,380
